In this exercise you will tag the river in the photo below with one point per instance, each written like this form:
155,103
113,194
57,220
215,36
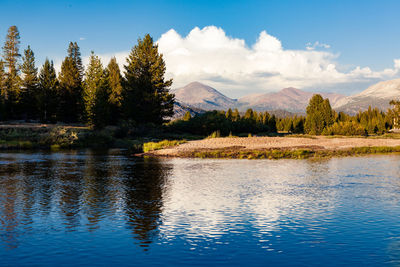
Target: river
80,208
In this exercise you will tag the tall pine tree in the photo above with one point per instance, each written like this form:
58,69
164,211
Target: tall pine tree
75,54
70,86
47,93
114,80
96,93
69,92
146,93
29,85
2,84
11,90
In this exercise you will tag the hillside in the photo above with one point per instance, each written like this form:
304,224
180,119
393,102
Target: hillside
378,95
204,97
290,99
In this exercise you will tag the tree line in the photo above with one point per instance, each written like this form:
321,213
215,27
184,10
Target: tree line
320,119
97,96
225,123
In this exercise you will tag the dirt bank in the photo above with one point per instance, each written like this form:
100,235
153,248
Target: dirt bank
270,143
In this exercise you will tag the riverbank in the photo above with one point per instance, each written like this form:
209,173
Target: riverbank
28,136
280,147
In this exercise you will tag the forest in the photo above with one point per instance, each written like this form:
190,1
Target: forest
97,96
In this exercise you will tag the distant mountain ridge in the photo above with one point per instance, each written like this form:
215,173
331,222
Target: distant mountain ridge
290,99
200,97
378,95
204,97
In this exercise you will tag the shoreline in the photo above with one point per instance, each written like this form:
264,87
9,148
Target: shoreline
279,147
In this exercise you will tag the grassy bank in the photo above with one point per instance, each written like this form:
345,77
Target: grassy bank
151,146
55,137
232,153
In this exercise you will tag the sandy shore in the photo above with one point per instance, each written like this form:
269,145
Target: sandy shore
268,143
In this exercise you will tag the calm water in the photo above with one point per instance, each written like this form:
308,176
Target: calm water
107,209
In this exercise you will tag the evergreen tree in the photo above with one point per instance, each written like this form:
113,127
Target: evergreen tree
319,115
75,54
187,116
229,114
2,88
69,92
235,115
29,85
11,89
96,93
114,80
47,93
146,92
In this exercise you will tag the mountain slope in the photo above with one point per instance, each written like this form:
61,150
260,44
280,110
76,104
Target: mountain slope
201,96
291,99
377,95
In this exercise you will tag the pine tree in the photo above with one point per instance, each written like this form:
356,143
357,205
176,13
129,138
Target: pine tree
229,114
69,92
47,93
75,54
2,88
95,93
319,115
146,93
114,80
11,90
235,115
187,116
29,85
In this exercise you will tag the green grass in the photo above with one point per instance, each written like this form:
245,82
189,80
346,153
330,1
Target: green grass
291,154
150,146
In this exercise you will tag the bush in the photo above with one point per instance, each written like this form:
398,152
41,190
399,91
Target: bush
150,146
347,128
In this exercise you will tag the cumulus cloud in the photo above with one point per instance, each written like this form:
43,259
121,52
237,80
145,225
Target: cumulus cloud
209,55
265,66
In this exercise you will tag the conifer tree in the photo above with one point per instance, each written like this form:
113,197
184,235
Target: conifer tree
29,85
75,54
47,93
69,92
114,80
2,84
187,116
319,115
229,114
11,90
146,93
235,115
96,93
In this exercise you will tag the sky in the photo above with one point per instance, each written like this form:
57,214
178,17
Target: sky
238,47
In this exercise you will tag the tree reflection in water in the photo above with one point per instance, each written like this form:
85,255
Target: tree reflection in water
143,197
79,189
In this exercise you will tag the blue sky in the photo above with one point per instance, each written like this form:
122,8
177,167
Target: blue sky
358,33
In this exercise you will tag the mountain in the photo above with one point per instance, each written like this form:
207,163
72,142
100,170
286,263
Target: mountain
180,111
197,97
377,95
204,97
290,99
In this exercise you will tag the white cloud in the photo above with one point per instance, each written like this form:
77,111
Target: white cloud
208,55
310,46
227,63
82,38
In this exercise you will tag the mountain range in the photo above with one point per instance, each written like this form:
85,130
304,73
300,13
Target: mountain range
196,96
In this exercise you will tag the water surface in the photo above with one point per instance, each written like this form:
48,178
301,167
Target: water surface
103,209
